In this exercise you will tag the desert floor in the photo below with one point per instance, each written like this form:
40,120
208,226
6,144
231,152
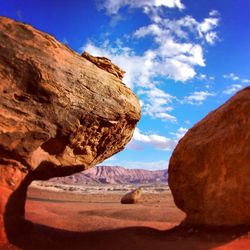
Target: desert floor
96,220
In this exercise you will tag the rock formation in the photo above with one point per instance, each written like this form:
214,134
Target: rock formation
59,114
209,171
132,197
105,64
114,175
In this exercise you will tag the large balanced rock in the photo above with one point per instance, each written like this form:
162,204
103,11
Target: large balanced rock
132,197
59,114
209,171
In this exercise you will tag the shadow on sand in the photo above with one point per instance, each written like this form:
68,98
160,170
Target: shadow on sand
28,236
139,238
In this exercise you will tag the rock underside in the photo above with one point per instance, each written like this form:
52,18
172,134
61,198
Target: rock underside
59,114
209,171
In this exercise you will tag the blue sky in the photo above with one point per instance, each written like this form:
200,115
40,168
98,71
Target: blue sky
182,58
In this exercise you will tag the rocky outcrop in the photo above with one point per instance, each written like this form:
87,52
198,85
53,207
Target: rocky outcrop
105,64
132,197
59,114
209,171
114,175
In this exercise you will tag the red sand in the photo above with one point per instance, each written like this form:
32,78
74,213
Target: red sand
99,221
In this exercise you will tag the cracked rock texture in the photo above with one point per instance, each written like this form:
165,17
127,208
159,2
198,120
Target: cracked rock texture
59,114
209,171
105,64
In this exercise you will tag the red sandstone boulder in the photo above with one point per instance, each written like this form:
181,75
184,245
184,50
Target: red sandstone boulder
209,171
105,64
132,197
59,114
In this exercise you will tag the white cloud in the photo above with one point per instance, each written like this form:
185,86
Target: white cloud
138,68
157,141
177,51
171,60
202,77
234,77
206,80
182,28
112,7
231,76
180,133
245,80
211,37
214,13
197,97
206,28
171,57
157,104
174,59
232,89
166,117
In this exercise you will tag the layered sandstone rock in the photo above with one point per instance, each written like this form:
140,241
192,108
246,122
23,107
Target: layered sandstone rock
132,197
105,64
59,114
209,171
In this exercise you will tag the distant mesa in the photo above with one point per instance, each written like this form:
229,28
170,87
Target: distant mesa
209,171
132,197
59,114
114,175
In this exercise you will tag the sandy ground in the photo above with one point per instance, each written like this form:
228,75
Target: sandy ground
95,220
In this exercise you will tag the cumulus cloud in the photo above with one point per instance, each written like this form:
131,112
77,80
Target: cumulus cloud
182,28
157,141
157,104
112,7
139,72
139,69
176,52
232,89
171,60
197,97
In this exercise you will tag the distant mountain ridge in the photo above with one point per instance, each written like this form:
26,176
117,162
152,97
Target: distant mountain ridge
114,175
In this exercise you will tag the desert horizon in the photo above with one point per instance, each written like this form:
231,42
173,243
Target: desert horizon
68,217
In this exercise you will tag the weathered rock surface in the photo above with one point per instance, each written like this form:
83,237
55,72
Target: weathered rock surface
105,64
59,114
114,175
209,171
132,197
